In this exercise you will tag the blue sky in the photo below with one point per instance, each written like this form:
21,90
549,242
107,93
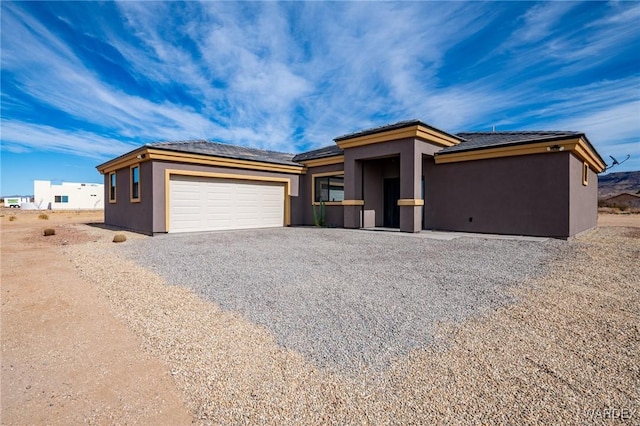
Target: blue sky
83,82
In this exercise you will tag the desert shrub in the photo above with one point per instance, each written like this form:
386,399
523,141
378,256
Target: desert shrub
119,238
49,231
43,216
12,218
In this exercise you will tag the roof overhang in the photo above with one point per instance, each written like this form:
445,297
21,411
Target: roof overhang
418,131
579,146
144,154
325,161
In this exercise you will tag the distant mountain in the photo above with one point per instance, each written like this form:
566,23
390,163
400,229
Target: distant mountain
613,184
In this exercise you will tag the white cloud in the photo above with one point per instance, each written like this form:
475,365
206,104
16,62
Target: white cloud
20,137
540,21
264,73
608,127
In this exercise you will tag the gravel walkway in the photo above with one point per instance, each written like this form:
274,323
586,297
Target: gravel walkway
566,352
345,299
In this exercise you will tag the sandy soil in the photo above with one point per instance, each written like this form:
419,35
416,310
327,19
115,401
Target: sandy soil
65,358
87,337
632,220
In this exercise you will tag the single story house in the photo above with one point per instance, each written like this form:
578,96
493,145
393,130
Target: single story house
68,195
408,175
623,200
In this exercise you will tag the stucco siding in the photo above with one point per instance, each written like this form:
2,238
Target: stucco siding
583,208
134,216
525,195
372,164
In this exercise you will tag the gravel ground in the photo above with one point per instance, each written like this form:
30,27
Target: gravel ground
345,299
565,351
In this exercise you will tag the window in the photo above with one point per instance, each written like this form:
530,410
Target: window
135,183
585,174
112,187
61,199
329,188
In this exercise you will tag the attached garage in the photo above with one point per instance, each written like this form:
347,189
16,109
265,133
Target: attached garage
215,204
195,186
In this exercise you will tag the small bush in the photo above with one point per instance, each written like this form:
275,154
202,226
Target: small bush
119,238
49,231
43,216
12,218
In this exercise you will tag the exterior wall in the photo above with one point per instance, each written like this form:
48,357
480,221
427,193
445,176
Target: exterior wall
334,215
583,207
524,195
134,216
148,216
537,194
158,224
80,196
411,152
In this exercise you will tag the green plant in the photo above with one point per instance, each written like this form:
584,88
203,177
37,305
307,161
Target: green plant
43,216
49,231
119,238
319,217
12,218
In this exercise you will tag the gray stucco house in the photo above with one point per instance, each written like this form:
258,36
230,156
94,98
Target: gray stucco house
407,175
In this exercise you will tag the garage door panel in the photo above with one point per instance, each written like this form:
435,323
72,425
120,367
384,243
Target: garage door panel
205,204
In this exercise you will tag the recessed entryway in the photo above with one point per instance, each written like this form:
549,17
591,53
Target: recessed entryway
391,197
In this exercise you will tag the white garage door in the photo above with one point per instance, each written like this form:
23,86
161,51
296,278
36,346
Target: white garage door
210,204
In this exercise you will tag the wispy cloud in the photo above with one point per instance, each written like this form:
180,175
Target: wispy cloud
22,137
291,76
540,22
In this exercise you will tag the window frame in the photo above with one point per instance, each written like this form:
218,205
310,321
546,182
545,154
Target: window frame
585,174
132,183
113,185
61,199
328,175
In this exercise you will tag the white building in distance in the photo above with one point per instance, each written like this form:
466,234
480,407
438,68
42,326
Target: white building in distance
68,196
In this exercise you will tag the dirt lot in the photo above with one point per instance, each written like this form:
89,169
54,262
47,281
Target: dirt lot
88,338
65,358
632,220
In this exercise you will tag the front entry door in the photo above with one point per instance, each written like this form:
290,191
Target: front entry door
391,208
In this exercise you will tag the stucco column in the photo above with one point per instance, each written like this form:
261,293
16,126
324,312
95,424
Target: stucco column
353,201
411,201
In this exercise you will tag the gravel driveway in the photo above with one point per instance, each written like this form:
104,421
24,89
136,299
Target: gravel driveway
346,299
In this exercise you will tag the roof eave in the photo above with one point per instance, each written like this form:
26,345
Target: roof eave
576,144
230,157
412,129
459,148
122,160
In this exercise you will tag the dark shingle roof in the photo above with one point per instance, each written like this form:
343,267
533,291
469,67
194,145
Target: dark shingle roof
387,127
327,151
480,140
225,150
